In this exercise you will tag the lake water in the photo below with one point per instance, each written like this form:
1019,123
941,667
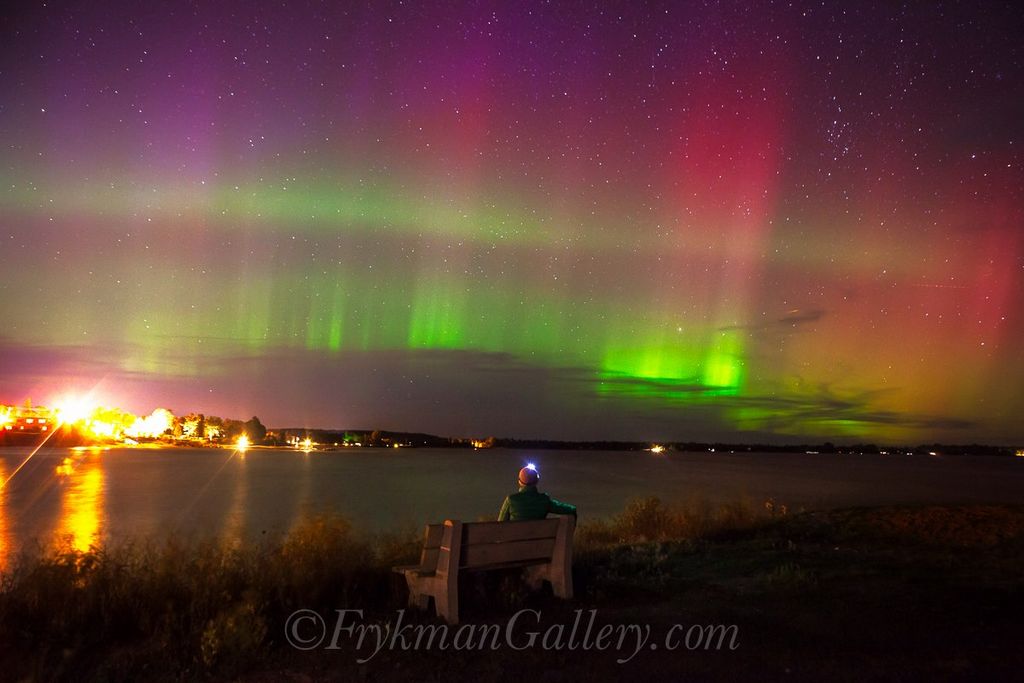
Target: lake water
86,495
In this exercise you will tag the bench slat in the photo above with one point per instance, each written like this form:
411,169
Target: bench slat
511,551
515,564
500,532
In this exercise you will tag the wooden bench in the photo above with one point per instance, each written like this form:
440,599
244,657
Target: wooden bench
543,545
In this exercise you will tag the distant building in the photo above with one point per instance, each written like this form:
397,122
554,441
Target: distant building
26,420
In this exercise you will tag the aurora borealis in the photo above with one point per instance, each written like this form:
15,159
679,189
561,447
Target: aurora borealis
760,221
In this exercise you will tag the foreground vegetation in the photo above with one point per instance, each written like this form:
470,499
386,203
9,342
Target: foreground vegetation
887,593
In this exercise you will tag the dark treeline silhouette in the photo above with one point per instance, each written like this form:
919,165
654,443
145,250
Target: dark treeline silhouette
387,439
363,437
720,447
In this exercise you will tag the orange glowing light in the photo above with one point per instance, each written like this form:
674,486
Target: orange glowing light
105,430
74,409
153,426
243,443
5,541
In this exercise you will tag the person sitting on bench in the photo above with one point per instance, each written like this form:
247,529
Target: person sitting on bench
529,503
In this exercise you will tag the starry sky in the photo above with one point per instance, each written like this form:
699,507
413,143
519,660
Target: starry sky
615,220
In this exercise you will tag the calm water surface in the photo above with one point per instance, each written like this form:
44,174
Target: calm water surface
82,496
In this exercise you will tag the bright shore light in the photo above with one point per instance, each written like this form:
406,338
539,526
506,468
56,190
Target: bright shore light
243,443
656,449
74,409
153,426
102,429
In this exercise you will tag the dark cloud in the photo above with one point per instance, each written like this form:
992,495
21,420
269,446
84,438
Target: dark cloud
793,318
822,409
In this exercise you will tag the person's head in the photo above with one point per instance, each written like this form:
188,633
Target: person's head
529,476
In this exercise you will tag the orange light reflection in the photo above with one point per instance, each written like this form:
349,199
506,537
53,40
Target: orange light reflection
6,546
82,513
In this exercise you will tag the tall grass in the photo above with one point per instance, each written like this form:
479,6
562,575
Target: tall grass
202,605
179,608
649,520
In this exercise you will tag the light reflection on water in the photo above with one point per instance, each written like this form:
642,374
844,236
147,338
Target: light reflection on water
84,496
5,541
234,520
82,510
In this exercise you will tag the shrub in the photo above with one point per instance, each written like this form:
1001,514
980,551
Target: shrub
649,519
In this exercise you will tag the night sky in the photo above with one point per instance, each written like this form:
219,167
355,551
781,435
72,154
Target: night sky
741,221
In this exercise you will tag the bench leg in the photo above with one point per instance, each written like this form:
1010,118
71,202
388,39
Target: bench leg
447,603
560,569
561,584
419,601
419,591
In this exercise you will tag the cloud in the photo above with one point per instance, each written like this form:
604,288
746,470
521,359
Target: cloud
794,318
790,413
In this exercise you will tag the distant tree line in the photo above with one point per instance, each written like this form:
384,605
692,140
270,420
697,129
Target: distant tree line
218,429
385,439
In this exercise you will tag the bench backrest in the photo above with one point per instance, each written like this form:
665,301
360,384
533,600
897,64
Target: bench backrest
493,544
486,544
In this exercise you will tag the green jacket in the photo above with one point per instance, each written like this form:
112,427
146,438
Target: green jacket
529,503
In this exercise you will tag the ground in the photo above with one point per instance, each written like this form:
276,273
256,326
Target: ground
898,593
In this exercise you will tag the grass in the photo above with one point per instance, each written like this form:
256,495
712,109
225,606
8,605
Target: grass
649,519
898,592
196,607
